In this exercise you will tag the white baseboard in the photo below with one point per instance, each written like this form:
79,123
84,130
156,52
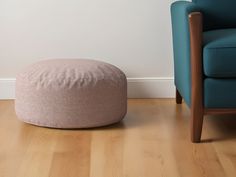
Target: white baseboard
147,87
151,87
7,88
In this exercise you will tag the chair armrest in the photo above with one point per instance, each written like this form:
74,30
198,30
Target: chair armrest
180,11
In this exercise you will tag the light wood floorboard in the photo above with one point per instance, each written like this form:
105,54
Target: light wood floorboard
152,141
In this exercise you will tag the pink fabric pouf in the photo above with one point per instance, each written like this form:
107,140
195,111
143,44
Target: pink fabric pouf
71,93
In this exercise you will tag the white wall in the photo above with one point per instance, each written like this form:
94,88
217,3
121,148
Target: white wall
134,35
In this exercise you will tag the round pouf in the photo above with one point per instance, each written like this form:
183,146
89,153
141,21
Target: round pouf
71,93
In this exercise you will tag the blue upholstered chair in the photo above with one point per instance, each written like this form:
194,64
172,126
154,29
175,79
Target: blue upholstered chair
204,40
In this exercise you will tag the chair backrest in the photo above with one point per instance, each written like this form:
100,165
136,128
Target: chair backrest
218,13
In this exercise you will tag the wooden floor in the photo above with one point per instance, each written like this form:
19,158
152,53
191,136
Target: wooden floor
152,141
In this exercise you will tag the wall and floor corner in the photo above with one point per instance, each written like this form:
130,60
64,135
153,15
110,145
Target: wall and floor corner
133,35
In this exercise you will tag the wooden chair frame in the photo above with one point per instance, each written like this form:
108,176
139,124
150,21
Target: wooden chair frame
197,108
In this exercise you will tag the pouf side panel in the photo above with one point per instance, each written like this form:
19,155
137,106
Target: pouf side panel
74,114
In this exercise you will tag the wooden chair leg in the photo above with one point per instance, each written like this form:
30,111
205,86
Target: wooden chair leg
196,125
178,97
197,107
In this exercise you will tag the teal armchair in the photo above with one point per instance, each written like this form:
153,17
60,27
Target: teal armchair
204,44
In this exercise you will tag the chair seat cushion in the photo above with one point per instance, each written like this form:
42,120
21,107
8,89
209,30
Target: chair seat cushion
219,53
